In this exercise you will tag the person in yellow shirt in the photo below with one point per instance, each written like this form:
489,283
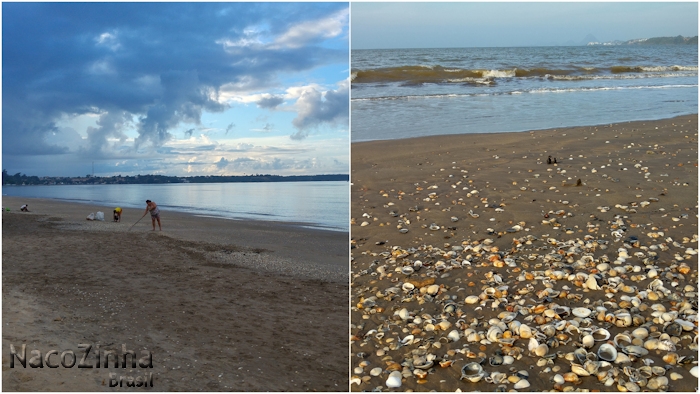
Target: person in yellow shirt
117,214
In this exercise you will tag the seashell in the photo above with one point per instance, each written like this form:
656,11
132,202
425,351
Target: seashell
579,370
403,230
394,380
641,333
496,360
508,360
673,329
407,270
636,351
666,345
607,352
541,350
375,371
671,358
580,355
600,334
408,339
521,384
571,378
581,312
525,331
494,333
686,325
622,339
588,341
408,287
548,330
434,227
694,371
472,299
558,379
453,336
444,325
472,372
433,289
675,376
592,283
403,314
497,378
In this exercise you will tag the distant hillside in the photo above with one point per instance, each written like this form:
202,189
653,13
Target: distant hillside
678,40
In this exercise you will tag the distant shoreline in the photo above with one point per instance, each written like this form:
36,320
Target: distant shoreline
19,179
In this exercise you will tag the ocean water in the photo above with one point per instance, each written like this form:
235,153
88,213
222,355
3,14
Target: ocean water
403,93
322,205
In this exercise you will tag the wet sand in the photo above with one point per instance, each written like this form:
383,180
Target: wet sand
222,305
487,211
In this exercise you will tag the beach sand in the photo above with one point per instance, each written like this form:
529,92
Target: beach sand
638,192
222,305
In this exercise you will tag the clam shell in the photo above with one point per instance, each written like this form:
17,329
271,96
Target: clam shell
607,352
521,384
472,299
433,289
394,380
407,270
581,312
541,350
453,336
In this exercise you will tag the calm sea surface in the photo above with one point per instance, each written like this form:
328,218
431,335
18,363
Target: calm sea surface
321,205
404,93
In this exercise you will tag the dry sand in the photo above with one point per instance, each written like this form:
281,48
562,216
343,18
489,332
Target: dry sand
222,305
619,165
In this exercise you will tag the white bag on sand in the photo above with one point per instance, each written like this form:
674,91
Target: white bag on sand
100,216
91,216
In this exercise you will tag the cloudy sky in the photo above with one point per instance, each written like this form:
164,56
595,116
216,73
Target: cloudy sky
175,88
502,24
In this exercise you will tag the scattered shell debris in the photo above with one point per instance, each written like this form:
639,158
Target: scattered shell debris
477,292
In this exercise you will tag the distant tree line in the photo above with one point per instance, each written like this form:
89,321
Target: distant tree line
23,179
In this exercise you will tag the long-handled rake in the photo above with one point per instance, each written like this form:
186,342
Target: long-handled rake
136,222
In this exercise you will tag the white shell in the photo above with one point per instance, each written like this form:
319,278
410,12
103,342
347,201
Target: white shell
375,371
541,350
591,283
581,312
522,384
453,336
394,380
472,299
433,289
607,352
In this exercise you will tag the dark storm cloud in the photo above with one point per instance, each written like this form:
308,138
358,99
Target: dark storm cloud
154,64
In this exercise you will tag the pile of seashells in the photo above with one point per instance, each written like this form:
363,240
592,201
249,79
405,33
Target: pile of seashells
569,315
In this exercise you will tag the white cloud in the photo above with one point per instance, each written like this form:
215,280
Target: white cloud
306,32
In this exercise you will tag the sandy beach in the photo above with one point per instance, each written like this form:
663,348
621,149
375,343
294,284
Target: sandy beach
222,305
471,251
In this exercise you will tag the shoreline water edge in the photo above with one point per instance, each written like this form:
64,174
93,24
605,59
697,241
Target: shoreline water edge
479,263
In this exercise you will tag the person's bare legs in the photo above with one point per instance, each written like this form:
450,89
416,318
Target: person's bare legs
159,227
153,221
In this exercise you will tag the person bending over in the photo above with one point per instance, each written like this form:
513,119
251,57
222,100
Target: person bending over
155,214
117,214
